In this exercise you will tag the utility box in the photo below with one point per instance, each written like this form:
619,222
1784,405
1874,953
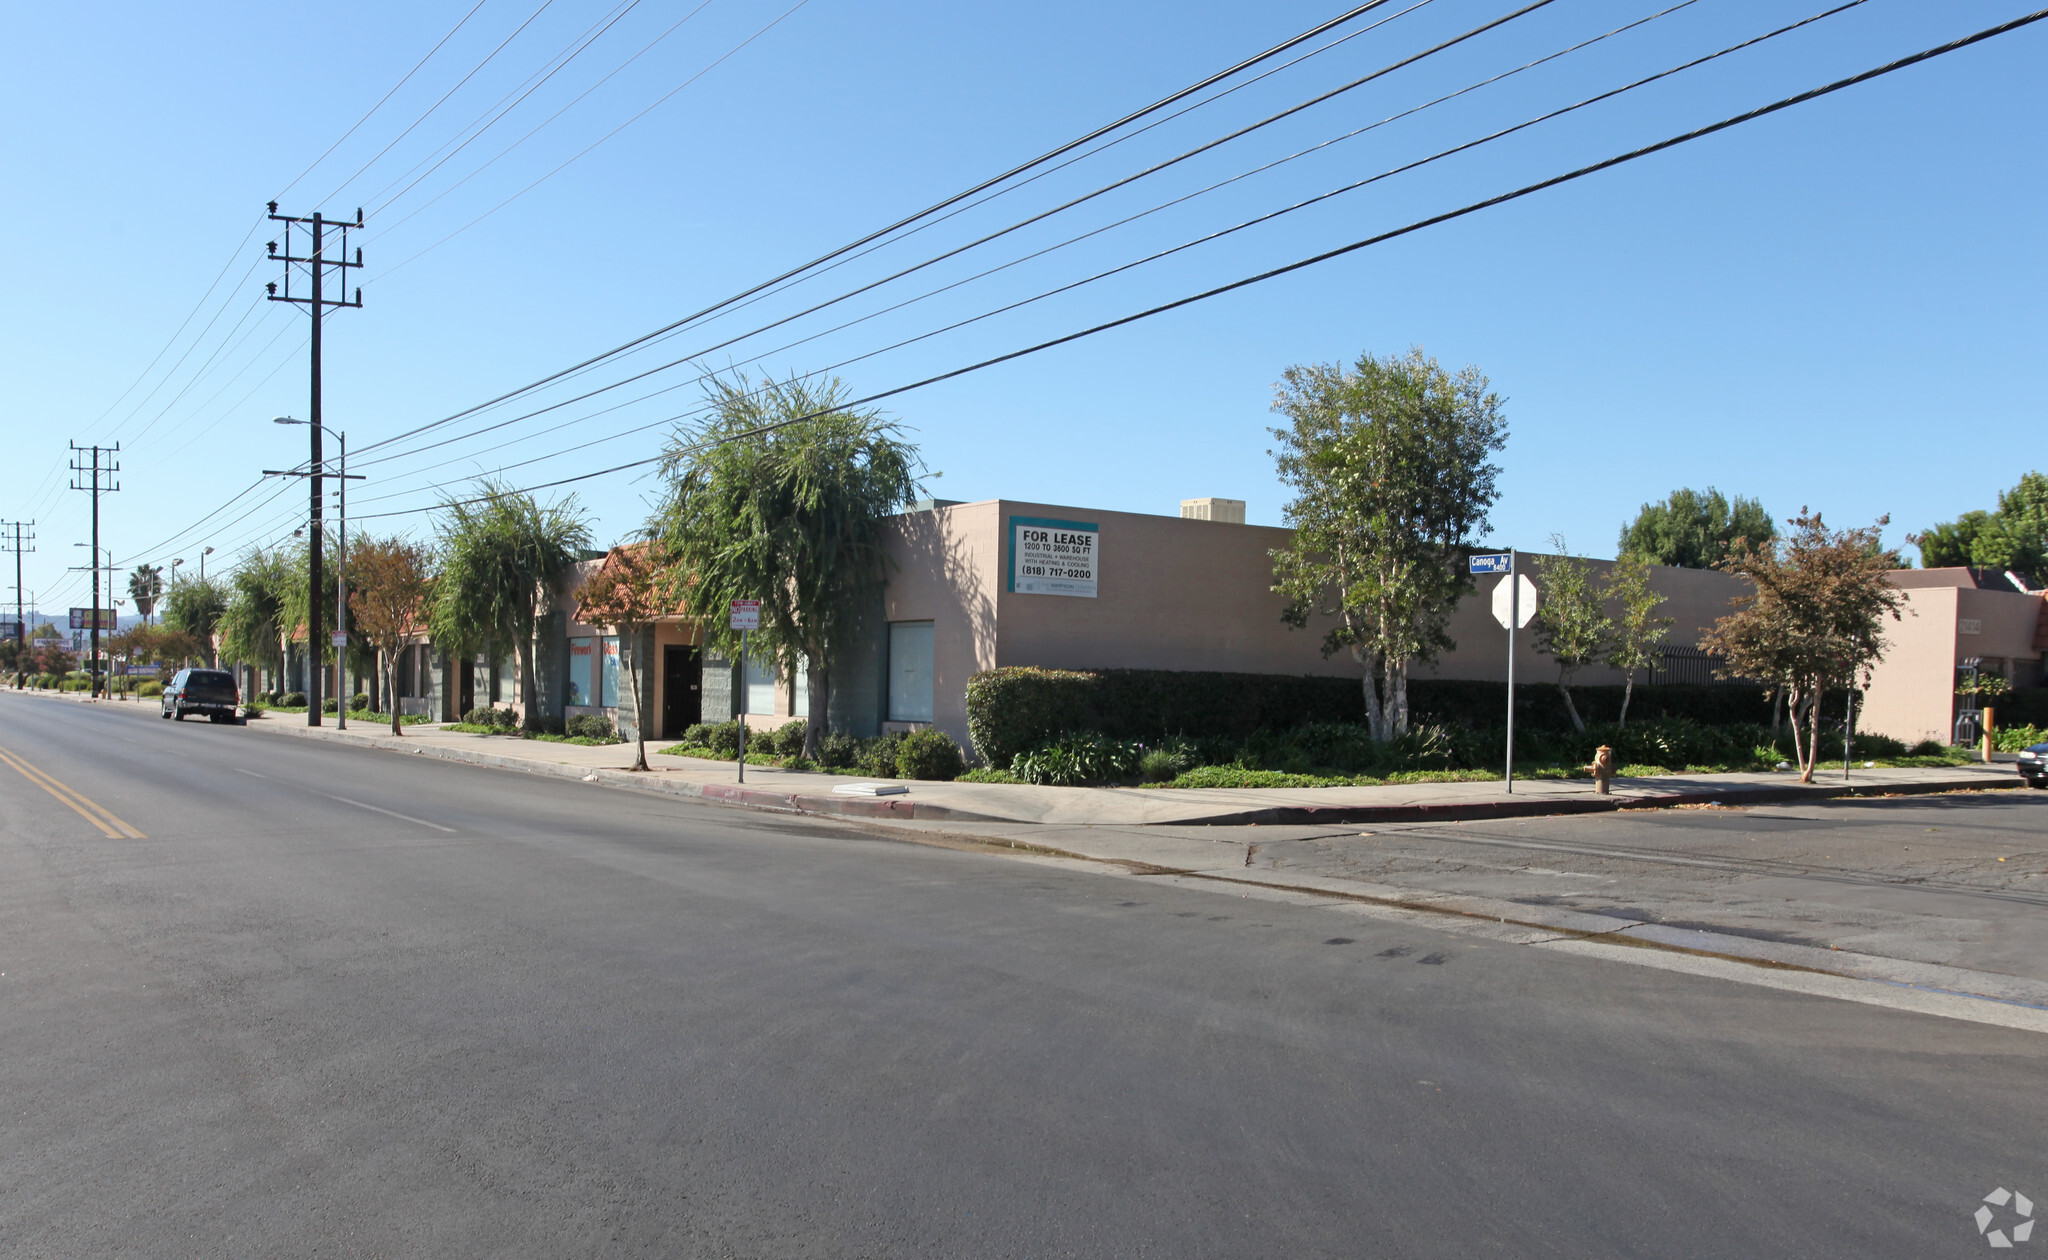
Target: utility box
1224,511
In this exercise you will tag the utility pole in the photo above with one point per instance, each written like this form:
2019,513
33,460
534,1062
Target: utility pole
340,569
317,263
18,544
97,469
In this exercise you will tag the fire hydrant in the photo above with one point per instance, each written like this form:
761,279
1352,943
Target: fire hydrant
1602,769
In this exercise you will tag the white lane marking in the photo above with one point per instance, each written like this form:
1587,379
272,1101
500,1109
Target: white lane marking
378,809
1815,984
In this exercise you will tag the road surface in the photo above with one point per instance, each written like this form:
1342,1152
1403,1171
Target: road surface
338,1002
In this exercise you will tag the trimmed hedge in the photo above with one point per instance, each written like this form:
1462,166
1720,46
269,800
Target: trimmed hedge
1019,708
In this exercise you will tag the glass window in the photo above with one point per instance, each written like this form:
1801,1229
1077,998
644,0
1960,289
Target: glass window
608,692
760,684
579,671
910,671
800,695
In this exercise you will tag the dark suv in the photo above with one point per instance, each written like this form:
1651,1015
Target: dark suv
209,691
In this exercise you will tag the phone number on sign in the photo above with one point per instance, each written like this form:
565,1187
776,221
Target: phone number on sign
1039,570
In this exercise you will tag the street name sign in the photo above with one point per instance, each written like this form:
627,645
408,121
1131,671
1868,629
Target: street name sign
1501,563
746,614
1525,607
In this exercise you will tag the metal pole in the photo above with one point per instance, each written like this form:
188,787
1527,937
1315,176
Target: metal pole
341,687
743,706
1849,729
1514,615
315,579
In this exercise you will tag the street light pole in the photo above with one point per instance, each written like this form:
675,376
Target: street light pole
340,575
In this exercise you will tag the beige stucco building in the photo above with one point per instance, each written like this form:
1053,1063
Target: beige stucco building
1951,617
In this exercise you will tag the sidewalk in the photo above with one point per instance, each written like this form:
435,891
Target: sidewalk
811,792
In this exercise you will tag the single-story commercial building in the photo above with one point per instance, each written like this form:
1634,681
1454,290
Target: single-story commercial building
1953,619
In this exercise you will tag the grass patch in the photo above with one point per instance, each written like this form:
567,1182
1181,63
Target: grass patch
988,774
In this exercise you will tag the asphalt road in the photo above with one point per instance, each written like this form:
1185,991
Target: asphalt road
532,1017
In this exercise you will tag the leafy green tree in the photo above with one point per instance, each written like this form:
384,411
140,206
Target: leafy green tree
195,608
502,557
1691,530
1390,465
781,496
256,623
1638,630
1572,627
146,587
2014,537
1815,621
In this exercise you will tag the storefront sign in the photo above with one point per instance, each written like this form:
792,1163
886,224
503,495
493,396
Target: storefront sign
1054,557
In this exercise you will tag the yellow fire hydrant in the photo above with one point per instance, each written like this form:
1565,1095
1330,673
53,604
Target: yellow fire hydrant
1602,769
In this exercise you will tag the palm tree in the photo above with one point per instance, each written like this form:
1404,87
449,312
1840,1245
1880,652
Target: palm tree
502,557
146,585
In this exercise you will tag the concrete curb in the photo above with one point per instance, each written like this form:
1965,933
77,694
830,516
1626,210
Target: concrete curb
1538,807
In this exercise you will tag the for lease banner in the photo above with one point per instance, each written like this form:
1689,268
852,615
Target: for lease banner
1054,557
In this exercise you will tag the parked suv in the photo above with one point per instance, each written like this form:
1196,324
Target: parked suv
209,691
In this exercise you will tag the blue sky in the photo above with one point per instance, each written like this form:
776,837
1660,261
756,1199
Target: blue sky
1838,305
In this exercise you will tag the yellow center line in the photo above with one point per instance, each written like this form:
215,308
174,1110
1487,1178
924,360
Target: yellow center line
98,815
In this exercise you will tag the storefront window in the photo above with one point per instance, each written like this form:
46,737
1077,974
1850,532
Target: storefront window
800,702
580,661
910,671
608,692
760,683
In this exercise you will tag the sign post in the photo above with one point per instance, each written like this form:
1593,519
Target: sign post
1514,603
746,615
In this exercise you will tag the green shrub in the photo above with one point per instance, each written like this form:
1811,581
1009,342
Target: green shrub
697,736
330,705
839,751
2005,738
1079,759
929,754
1239,777
150,689
722,738
480,717
293,700
592,726
989,774
1158,765
1014,709
877,757
358,703
507,719
787,740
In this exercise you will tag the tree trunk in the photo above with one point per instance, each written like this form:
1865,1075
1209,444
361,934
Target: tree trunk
529,686
1777,711
817,720
1793,711
1397,695
1628,689
391,689
639,702
1571,710
1812,737
1375,715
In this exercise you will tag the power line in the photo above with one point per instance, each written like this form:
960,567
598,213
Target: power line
437,104
730,341
379,105
615,71
1019,169
1330,254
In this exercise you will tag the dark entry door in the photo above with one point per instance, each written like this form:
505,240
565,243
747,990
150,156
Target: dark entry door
682,689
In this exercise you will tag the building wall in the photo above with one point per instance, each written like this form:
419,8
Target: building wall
1911,695
1177,594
